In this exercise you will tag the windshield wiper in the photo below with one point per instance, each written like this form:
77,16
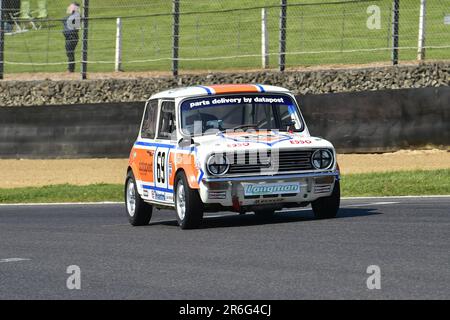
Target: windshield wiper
244,126
287,130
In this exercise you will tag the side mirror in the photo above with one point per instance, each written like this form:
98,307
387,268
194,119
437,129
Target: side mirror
183,142
290,125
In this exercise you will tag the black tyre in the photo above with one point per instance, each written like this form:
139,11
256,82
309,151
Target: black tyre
265,214
139,212
188,205
327,207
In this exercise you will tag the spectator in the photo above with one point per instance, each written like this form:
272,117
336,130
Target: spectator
71,27
25,10
27,14
11,8
42,9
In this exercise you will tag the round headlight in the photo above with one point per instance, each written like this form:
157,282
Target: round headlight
322,159
218,164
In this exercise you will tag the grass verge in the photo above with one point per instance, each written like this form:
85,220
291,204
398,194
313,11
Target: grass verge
63,193
399,183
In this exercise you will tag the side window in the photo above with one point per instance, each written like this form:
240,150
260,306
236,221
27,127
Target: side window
167,120
149,123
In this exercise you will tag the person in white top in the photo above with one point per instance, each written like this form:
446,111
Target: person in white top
71,27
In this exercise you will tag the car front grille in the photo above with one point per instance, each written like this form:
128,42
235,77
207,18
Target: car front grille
284,161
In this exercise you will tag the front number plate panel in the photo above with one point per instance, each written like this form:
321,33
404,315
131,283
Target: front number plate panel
261,189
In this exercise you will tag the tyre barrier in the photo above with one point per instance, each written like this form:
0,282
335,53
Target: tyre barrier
371,121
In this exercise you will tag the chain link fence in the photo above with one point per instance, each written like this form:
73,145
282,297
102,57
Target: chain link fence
161,35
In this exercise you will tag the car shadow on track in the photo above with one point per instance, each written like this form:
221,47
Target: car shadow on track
229,221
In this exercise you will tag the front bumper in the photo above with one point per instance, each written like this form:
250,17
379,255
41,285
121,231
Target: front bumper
229,191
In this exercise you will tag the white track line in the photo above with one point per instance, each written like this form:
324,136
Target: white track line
397,197
347,206
282,211
13,260
121,202
60,204
370,204
115,225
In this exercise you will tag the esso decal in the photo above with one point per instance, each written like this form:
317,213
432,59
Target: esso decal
237,145
300,141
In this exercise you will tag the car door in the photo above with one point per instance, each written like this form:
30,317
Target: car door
164,152
144,147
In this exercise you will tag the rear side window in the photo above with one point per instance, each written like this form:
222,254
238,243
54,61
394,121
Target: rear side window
167,123
149,124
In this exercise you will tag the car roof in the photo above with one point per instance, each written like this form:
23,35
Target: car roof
217,89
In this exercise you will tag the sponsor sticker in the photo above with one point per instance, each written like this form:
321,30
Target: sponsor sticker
235,100
157,195
217,195
160,196
271,188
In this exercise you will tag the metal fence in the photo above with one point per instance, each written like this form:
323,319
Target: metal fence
186,35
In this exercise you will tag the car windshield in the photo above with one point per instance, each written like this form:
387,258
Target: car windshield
209,115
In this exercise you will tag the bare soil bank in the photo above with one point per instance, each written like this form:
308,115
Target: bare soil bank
24,173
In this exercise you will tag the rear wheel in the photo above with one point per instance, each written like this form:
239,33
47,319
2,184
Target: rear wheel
188,205
139,212
327,207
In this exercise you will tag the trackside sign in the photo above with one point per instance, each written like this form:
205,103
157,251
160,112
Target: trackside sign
447,19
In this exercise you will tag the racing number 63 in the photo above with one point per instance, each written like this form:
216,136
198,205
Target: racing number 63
160,167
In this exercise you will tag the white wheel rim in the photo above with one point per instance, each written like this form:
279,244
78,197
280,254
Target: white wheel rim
181,200
131,198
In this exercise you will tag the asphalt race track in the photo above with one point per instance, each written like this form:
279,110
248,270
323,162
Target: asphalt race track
232,257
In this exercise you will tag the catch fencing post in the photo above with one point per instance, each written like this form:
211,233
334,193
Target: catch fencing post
422,26
282,62
84,48
175,34
395,31
118,61
2,39
264,40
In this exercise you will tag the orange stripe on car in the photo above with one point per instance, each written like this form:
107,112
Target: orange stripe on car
234,88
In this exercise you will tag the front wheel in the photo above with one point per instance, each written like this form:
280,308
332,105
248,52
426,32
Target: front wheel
139,212
188,205
327,207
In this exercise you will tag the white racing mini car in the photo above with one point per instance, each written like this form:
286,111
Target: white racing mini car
241,148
